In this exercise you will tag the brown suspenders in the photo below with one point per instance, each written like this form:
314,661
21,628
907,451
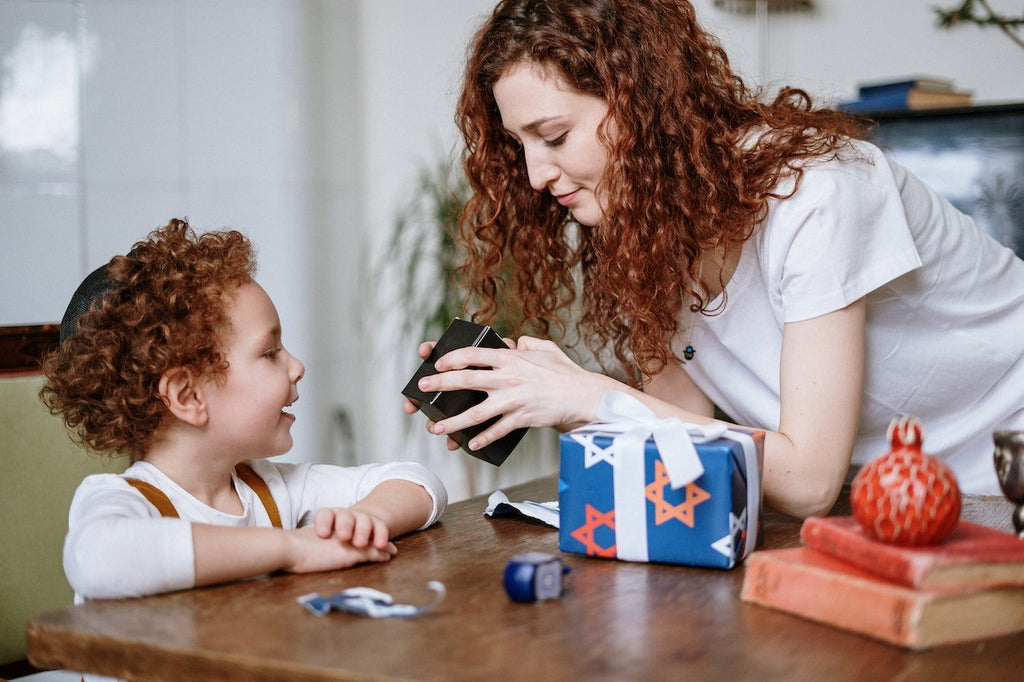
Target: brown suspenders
259,486
245,472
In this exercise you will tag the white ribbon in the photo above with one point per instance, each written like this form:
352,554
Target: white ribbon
753,460
633,423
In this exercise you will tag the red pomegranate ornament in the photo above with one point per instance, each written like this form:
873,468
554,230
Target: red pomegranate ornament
906,497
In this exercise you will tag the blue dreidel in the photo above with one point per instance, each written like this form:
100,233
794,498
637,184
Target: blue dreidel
534,577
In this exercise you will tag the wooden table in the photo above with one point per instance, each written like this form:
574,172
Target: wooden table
617,621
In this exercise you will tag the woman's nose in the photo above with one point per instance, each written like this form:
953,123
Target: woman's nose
541,171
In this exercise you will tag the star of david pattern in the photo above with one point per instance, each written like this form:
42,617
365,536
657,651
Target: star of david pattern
663,511
594,453
737,537
723,545
738,526
585,533
703,523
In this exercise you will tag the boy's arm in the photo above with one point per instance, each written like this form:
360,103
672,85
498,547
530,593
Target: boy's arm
118,556
225,553
402,496
402,505
115,548
393,507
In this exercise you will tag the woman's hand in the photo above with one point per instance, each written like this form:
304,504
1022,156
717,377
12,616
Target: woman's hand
531,384
412,407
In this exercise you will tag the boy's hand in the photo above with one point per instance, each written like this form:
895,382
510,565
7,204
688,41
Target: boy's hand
309,552
354,526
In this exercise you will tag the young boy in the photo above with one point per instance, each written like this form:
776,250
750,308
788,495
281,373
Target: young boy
172,355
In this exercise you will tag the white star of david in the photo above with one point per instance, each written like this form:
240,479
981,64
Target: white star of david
737,524
724,545
592,452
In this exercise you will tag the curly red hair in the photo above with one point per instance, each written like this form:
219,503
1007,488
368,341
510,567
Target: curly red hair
167,310
679,178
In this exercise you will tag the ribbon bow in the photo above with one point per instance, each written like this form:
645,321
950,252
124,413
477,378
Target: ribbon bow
621,413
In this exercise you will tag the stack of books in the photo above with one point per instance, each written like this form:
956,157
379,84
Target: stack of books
970,586
911,93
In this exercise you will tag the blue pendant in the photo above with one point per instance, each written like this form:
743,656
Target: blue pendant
689,352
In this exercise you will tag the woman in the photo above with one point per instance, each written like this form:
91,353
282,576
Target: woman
757,257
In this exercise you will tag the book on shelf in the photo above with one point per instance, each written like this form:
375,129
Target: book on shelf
972,556
902,85
806,583
909,99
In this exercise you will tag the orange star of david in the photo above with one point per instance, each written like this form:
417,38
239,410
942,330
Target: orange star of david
663,511
585,533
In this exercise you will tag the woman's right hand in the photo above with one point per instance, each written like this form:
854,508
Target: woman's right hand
531,384
412,407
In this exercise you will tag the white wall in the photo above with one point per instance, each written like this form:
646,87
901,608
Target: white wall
303,123
840,43
117,115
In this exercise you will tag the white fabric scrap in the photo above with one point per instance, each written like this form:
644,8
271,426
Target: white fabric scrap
498,504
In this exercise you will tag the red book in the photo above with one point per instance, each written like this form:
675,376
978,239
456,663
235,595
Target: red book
972,556
821,588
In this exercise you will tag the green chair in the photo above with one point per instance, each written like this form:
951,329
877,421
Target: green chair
40,467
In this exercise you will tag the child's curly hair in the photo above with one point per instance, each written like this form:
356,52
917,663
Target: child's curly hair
167,310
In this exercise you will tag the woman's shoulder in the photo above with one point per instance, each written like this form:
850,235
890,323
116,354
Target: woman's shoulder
832,197
848,179
855,158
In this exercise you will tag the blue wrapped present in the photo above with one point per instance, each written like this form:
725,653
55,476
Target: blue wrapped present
638,488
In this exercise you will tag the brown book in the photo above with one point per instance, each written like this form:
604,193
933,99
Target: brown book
972,555
821,588
907,95
918,98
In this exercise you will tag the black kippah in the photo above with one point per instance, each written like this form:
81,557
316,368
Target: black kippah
91,291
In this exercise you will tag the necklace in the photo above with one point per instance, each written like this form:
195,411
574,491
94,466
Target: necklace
689,352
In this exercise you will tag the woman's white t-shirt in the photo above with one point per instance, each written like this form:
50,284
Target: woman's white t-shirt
945,311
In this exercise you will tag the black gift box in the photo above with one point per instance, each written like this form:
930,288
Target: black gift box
443,404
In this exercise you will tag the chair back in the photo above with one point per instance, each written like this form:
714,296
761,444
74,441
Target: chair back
40,467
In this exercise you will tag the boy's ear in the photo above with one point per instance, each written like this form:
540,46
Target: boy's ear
180,391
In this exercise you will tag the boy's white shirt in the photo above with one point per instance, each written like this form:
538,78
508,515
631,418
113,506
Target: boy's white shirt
118,545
